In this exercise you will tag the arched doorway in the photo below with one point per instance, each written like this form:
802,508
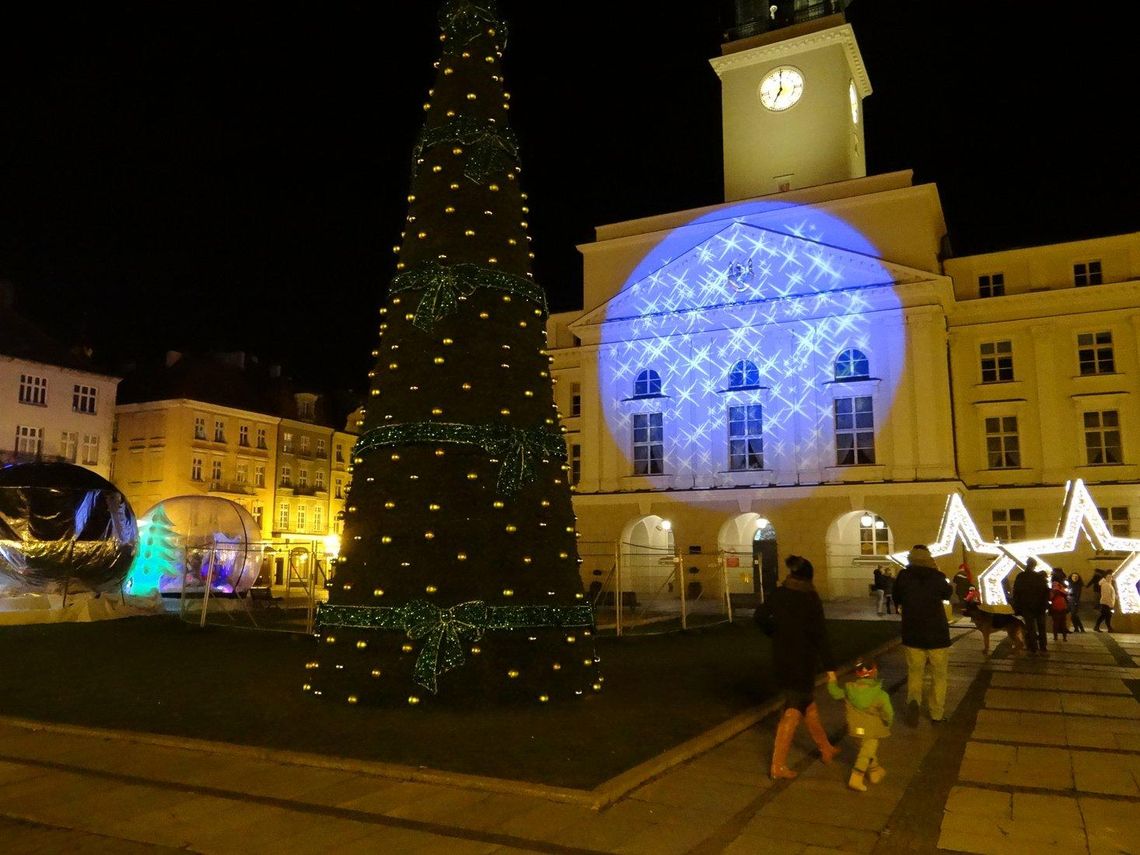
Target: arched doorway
857,542
647,557
748,548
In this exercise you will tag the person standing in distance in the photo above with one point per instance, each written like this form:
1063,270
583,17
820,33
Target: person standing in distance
1031,601
921,592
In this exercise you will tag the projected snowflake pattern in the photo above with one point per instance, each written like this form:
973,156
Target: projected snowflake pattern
779,298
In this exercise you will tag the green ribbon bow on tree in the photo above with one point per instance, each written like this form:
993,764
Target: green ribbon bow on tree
445,634
444,285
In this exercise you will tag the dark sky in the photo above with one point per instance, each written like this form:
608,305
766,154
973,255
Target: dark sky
191,175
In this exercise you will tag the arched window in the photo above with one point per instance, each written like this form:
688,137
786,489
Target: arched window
852,365
744,375
647,384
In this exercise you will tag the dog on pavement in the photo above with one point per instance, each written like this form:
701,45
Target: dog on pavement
988,623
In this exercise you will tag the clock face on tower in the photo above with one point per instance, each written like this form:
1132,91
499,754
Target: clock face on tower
781,88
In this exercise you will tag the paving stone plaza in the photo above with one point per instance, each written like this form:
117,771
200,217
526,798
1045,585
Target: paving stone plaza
1036,755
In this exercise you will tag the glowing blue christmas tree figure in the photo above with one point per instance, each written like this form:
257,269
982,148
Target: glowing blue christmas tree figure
159,555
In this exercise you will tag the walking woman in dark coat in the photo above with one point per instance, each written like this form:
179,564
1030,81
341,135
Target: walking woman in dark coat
793,617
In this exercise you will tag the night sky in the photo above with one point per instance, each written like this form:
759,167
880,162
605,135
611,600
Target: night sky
192,176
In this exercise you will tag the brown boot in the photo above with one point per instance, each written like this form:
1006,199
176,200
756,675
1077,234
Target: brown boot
785,730
827,751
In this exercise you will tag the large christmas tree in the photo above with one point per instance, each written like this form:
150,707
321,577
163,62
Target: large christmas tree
459,574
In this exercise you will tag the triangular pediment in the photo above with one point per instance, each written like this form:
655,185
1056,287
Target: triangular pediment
744,264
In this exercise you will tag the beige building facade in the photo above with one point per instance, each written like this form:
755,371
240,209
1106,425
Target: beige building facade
806,372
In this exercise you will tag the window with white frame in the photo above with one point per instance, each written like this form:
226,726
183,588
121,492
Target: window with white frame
854,431
575,464
575,399
259,476
745,437
997,361
287,442
1102,438
286,476
83,399
318,518
321,448
219,430
215,470
339,488
300,517
283,515
243,436
339,453
1095,354
991,285
1117,520
648,444
852,364
647,384
744,375
1008,524
90,449
69,445
1087,273
196,469
258,514
241,474
199,427
874,535
261,438
303,478
319,479
29,440
304,444
1003,447
33,390
305,409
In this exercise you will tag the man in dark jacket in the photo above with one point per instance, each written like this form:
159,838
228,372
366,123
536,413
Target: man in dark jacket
921,594
1031,601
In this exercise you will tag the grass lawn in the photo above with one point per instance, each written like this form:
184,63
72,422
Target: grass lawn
159,675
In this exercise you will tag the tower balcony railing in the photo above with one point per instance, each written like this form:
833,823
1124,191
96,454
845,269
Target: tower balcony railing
783,15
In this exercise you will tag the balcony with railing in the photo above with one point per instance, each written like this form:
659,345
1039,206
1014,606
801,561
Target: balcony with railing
755,17
237,488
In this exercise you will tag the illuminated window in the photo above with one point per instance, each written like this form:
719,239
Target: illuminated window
319,479
216,470
991,285
874,535
1009,524
339,488
745,438
243,436
300,518
575,464
647,384
199,427
304,445
283,515
854,431
69,446
261,438
286,476
1003,448
997,361
1087,273
339,453
196,469
219,430
287,442
1117,520
242,475
33,390
1094,353
259,476
648,444
1102,438
303,478
852,365
321,451
744,375
258,514
83,399
29,440
575,399
317,518
90,449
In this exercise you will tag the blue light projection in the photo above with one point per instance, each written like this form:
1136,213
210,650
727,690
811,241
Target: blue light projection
788,288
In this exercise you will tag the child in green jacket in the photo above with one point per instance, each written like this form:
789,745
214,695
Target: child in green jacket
869,717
